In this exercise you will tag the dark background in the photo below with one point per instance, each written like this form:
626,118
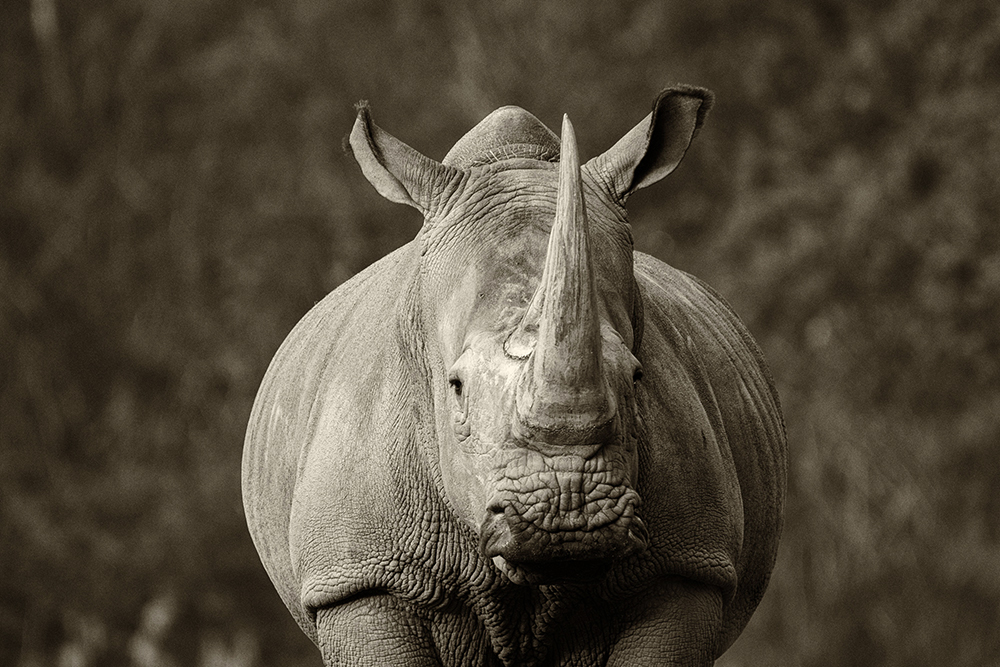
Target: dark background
174,197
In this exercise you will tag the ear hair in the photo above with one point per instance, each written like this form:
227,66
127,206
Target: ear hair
399,172
653,148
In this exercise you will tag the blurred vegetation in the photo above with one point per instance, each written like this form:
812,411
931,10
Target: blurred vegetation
173,197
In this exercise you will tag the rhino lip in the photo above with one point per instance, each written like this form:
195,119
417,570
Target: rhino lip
583,565
507,535
528,554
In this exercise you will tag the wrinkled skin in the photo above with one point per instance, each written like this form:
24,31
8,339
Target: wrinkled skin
515,441
528,499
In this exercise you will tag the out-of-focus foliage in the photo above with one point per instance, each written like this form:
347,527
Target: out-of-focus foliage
173,197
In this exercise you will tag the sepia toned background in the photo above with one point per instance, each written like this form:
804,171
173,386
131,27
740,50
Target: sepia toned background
174,196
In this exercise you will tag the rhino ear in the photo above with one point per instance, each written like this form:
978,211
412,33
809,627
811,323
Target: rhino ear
399,173
653,148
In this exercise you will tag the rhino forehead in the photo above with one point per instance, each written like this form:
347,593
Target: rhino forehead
484,259
502,201
503,209
509,132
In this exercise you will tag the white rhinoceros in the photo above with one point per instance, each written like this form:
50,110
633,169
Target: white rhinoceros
515,440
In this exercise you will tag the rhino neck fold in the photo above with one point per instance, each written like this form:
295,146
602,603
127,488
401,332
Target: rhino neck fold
563,394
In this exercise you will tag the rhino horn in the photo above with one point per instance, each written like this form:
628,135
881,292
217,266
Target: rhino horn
563,397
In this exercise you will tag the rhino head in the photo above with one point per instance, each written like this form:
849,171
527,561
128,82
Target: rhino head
528,321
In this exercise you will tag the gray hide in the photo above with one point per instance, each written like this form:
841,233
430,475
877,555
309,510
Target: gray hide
516,441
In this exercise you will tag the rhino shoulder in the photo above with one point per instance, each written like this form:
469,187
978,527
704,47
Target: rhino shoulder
686,319
324,371
694,311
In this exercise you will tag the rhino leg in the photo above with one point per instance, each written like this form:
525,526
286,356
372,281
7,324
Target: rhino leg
374,630
677,624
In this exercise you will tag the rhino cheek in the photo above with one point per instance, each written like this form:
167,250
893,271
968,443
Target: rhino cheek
462,473
467,462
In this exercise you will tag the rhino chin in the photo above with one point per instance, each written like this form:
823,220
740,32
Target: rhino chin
554,572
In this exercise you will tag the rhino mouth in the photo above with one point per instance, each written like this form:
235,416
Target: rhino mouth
547,573
563,518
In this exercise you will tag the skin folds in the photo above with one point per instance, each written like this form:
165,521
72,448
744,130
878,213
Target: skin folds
515,441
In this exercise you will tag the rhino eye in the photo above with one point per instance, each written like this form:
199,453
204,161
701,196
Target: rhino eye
637,375
456,384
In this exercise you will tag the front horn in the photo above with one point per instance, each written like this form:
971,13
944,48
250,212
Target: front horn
563,388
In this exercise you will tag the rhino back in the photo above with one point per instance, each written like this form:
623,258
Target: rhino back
689,330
